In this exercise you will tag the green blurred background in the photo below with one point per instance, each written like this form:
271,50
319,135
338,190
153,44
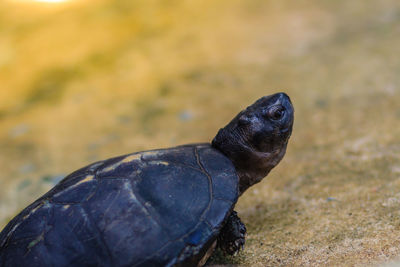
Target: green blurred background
84,80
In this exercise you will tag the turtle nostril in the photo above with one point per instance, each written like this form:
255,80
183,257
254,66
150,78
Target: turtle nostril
246,119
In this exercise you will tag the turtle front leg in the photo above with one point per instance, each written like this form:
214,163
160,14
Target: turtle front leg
232,236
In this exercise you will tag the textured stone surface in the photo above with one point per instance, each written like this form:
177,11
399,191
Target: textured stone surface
82,82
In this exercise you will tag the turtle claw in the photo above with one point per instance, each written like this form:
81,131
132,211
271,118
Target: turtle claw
239,245
232,237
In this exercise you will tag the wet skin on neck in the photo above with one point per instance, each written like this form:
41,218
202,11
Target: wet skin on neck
256,139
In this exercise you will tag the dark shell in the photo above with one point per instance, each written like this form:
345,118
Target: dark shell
160,207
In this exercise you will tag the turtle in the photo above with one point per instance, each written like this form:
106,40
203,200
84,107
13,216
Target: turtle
164,207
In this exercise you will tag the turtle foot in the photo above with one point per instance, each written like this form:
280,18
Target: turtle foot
232,237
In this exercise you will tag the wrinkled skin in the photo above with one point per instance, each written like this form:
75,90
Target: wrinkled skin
256,139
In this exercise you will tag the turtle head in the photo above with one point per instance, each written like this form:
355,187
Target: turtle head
256,139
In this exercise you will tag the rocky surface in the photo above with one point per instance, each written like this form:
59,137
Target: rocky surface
85,81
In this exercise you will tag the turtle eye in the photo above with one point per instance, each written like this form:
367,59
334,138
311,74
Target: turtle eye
276,112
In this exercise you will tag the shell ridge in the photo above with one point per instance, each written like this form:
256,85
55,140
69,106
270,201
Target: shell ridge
201,169
99,232
47,228
177,163
210,187
151,215
200,164
16,225
111,203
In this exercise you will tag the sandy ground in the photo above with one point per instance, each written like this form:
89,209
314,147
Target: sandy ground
88,80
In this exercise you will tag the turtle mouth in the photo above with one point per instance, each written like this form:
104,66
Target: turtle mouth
273,144
265,148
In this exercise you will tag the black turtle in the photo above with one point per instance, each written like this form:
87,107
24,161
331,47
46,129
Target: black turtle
166,207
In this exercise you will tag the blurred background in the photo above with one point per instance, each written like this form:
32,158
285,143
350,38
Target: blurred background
84,80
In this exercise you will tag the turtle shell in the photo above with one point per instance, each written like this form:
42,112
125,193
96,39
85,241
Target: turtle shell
152,208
